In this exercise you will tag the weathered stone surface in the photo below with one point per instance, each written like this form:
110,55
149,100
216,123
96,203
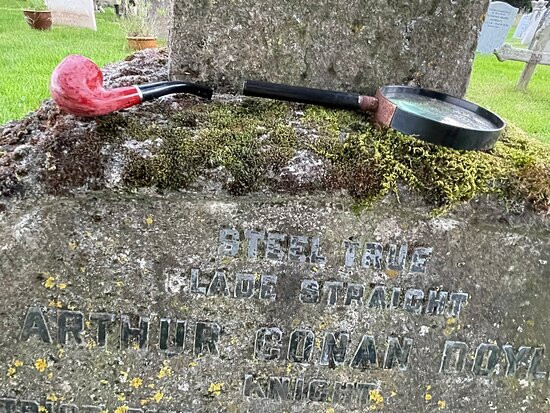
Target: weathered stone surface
91,232
358,45
68,259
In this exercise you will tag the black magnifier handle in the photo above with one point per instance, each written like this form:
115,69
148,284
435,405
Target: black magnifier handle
301,94
329,98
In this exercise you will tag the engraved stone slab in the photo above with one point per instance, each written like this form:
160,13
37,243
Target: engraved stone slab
354,46
270,303
498,21
78,13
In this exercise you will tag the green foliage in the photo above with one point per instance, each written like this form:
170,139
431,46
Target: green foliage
253,140
247,141
493,85
139,20
520,4
28,57
372,162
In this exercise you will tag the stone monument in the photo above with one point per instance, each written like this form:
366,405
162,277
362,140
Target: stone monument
357,46
522,26
78,13
498,21
247,255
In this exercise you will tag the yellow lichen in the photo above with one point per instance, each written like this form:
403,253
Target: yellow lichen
41,365
50,282
427,397
11,371
61,286
136,382
121,409
376,400
55,303
165,371
330,409
73,245
52,397
215,389
441,404
149,220
18,363
121,397
158,396
193,364
42,409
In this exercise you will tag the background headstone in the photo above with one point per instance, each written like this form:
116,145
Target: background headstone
522,26
498,21
334,44
78,13
537,13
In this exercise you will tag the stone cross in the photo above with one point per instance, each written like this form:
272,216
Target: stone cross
536,16
534,56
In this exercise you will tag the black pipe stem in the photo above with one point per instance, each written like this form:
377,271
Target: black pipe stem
152,91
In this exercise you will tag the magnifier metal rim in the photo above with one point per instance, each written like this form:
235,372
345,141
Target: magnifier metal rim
386,91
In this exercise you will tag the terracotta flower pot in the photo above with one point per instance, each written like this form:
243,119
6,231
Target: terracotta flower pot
140,43
39,20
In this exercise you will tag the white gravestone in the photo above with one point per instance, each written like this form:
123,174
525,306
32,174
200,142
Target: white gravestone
500,17
538,12
78,13
522,26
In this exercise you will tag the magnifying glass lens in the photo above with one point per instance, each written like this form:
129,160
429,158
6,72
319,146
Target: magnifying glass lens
440,111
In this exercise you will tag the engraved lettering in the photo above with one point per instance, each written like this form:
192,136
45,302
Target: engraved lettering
139,335
102,320
229,242
35,324
300,347
454,357
372,256
335,346
206,338
397,354
267,345
309,292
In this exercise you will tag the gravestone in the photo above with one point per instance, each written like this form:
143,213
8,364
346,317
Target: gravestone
522,26
78,13
498,21
538,11
257,283
271,303
356,46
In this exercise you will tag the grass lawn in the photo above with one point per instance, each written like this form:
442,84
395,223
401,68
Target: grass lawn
28,57
493,86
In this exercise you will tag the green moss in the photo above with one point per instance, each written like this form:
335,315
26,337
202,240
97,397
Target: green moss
372,162
249,140
254,139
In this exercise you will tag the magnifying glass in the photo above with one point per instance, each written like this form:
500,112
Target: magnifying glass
430,115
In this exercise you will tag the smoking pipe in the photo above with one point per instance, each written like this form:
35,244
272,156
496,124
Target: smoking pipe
77,87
